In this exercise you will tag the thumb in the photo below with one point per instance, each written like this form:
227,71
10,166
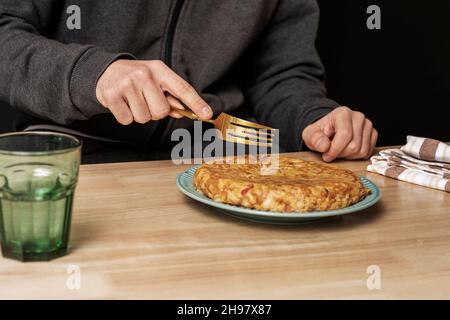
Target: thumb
316,139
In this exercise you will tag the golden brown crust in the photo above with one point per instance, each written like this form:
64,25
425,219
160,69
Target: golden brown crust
298,186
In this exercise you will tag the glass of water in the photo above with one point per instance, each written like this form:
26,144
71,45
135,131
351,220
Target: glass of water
38,176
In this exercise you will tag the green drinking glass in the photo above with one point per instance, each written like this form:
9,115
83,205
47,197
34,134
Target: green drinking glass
38,176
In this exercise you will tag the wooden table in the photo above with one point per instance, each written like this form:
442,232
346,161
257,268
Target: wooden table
134,235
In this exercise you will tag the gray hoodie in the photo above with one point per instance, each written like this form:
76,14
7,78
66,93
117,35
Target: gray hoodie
253,54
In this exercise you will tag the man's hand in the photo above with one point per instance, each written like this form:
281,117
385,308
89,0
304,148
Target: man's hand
143,90
342,133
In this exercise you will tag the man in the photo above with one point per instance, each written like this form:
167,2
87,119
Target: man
111,71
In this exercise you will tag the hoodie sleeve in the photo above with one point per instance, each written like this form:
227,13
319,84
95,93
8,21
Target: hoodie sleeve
285,88
42,77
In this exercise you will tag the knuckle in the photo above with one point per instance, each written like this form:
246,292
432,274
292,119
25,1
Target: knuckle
110,95
353,147
359,115
157,64
124,119
345,109
101,98
122,115
184,88
308,133
305,134
346,134
369,123
160,113
375,134
142,72
315,136
142,119
157,116
364,151
126,83
332,154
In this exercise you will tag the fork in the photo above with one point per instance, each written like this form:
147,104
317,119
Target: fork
236,130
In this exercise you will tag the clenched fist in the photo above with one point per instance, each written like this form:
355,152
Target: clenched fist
342,133
142,91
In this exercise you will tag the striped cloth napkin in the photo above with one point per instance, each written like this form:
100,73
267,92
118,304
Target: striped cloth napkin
421,161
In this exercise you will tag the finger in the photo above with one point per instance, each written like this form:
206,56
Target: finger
182,90
138,105
352,151
365,147
354,147
174,104
156,101
175,115
316,139
343,136
121,111
373,142
328,129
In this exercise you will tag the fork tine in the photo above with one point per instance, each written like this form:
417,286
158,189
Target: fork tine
236,139
267,130
249,133
233,135
249,124
253,131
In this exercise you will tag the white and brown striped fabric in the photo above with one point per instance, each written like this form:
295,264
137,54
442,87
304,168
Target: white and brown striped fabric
427,149
421,161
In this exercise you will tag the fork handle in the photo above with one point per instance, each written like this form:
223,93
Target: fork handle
186,113
189,114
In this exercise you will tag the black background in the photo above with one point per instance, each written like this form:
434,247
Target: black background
399,75
281,309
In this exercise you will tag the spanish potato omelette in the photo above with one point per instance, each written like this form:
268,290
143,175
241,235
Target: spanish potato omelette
297,185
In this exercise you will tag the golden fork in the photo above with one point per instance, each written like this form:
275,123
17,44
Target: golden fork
236,130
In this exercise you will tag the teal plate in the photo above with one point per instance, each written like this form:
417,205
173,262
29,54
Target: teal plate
184,183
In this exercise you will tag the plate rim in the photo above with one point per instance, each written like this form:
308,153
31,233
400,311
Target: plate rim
279,215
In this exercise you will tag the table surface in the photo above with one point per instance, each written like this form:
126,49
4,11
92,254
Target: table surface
134,235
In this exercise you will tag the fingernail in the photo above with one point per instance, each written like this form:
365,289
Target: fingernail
326,158
319,144
206,111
